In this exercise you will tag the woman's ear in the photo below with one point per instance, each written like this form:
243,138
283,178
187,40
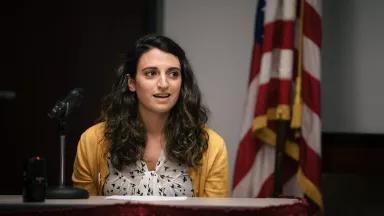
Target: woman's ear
131,84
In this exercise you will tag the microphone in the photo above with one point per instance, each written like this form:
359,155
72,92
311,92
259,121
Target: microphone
64,107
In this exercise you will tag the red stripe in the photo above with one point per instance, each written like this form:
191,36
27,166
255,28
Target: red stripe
267,188
278,35
246,154
312,24
311,92
310,162
271,94
255,63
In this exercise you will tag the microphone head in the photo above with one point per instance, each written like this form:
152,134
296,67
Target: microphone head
74,99
64,107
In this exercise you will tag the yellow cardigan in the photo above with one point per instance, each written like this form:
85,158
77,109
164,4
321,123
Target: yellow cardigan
91,169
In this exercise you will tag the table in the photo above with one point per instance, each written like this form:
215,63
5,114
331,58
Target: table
98,205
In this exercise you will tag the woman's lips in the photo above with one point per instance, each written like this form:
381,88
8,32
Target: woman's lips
162,95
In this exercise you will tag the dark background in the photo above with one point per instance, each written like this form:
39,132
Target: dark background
48,48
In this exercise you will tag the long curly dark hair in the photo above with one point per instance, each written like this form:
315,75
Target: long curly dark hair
186,138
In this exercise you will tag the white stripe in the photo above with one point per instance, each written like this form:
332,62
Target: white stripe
316,5
279,10
312,58
276,64
262,168
311,128
250,106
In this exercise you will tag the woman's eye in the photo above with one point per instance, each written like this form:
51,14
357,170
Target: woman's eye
174,73
150,73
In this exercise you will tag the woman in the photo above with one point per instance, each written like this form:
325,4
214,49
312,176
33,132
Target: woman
153,138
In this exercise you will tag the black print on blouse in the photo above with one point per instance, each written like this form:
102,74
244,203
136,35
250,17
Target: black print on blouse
165,168
184,179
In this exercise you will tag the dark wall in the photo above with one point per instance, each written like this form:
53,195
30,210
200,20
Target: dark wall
47,49
352,174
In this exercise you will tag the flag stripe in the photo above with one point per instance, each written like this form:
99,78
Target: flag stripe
278,34
246,154
259,172
255,65
311,128
311,61
272,94
312,24
310,163
274,11
250,107
316,5
312,90
269,68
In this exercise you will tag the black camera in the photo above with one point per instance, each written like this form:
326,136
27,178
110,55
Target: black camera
34,180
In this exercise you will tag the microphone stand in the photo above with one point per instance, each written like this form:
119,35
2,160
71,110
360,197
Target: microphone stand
62,191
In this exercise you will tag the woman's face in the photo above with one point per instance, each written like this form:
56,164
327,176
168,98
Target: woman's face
157,82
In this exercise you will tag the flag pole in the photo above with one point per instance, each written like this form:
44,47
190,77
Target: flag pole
282,132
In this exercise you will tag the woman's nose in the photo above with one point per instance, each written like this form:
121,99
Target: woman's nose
163,82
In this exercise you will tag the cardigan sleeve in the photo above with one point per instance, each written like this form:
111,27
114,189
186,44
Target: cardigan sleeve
85,166
216,179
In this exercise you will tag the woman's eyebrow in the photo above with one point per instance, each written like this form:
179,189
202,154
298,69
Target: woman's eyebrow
150,67
174,68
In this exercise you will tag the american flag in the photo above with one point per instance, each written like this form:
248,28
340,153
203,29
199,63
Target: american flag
284,84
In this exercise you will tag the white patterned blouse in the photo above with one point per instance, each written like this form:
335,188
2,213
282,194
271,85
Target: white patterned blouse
168,179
